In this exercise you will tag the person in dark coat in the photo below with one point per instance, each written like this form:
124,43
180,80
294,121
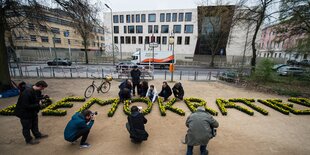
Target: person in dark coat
135,75
125,90
178,91
79,126
27,108
144,86
135,126
200,130
165,91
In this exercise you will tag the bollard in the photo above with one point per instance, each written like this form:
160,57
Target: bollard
37,72
71,72
26,71
195,76
20,71
209,75
102,73
87,72
165,74
180,75
41,72
53,72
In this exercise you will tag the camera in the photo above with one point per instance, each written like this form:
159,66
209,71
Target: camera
94,113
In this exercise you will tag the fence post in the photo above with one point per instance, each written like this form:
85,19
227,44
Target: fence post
26,71
41,72
195,76
102,74
14,73
87,72
71,72
38,75
180,75
53,72
209,75
20,71
165,74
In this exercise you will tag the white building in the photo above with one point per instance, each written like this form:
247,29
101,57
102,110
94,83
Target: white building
133,31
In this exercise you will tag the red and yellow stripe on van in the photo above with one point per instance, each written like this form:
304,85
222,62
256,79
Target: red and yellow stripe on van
168,59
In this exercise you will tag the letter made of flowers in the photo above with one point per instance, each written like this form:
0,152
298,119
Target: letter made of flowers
289,107
193,103
144,100
52,110
223,104
169,106
92,101
249,102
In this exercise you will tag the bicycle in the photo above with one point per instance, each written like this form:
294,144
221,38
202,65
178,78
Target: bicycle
104,87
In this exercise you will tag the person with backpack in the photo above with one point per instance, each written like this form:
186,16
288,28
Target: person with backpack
135,125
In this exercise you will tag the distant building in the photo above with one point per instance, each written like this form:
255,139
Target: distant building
34,40
133,31
276,45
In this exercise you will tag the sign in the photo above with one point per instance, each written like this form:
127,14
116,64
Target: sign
66,33
153,45
171,40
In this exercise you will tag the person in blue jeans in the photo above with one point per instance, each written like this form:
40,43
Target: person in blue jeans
200,130
79,126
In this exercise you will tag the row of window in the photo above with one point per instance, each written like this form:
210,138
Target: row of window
272,45
155,29
160,40
275,55
164,17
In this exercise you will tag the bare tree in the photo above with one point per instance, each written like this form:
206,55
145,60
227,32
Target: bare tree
83,15
13,13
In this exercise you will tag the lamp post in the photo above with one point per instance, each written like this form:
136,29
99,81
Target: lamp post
111,32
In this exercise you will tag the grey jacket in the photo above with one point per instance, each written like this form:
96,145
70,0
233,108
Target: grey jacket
199,126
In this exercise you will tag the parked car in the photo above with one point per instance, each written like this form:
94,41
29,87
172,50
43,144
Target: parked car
304,63
229,76
127,65
60,62
292,62
289,70
278,66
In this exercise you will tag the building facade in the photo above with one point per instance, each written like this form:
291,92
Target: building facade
133,30
272,45
53,36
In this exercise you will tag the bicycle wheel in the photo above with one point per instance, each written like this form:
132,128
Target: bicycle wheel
89,91
105,87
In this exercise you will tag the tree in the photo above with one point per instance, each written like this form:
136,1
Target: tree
255,16
12,14
83,15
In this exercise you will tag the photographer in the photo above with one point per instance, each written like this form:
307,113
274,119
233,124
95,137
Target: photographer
79,126
135,126
27,108
200,130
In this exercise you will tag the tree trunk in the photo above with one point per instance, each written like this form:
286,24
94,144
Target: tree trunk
5,78
212,60
86,54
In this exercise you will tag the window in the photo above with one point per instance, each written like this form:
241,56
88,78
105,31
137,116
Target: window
162,17
122,40
121,18
57,40
43,28
188,29
127,18
152,17
115,19
143,18
174,17
165,29
137,18
176,28
131,29
33,38
280,55
139,29
125,29
158,40
181,17
155,28
115,40
187,40
164,41
30,26
116,29
275,55
128,40
150,29
102,44
140,40
44,39
147,40
168,17
102,38
179,40
188,16
55,30
132,18
133,40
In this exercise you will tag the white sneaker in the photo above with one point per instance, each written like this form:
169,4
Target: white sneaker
84,145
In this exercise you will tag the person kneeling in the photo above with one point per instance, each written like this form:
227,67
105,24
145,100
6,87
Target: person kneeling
79,126
135,126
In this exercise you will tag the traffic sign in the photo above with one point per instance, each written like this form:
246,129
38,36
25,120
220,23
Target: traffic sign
153,45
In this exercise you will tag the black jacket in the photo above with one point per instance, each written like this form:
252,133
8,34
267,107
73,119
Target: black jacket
167,89
178,90
135,75
137,130
28,106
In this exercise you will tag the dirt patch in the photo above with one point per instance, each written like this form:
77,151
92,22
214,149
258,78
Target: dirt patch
238,134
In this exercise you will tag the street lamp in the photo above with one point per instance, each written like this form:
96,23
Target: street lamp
111,32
